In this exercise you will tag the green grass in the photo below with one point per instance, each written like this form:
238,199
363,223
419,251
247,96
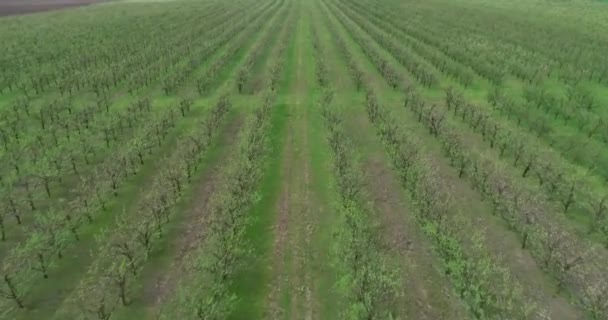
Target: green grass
77,259
543,33
249,284
249,281
161,256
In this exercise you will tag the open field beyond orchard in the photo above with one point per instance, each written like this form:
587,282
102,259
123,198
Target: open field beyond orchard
12,7
304,159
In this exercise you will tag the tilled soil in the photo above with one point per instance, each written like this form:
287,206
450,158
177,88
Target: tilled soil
15,7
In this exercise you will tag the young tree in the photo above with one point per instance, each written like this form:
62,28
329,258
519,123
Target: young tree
596,298
528,212
16,278
9,291
46,172
184,105
123,249
144,231
94,296
567,195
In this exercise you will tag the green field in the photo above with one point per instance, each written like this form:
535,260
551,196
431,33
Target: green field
305,159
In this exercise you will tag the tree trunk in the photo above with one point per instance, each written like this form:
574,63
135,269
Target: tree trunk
47,187
122,286
2,231
527,169
13,292
43,267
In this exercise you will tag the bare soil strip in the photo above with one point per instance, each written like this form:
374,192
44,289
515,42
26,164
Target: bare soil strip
427,294
159,286
502,242
280,232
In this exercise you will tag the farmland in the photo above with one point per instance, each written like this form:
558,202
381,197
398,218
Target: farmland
11,7
304,159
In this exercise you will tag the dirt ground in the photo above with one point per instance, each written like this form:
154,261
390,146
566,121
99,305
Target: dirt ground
13,7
